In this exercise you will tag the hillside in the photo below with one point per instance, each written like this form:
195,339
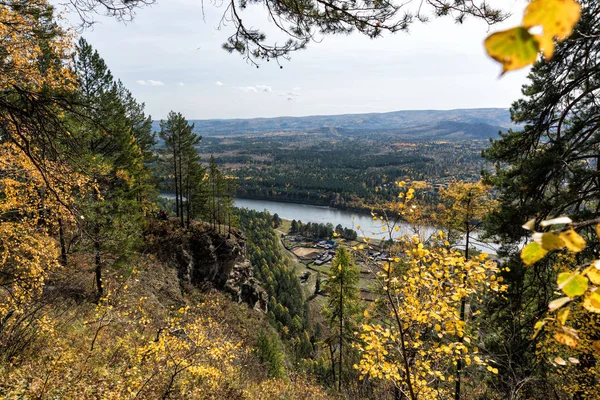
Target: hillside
409,124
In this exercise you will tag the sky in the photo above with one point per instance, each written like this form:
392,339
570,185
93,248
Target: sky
170,57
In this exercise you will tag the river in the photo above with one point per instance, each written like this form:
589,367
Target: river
320,214
348,219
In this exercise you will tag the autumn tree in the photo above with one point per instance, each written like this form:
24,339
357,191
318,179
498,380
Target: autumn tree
342,310
414,332
464,207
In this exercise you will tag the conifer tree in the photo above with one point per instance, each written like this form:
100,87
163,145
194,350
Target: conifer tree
108,149
180,141
546,167
343,306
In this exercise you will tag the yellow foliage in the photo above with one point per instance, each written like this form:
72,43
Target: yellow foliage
420,297
29,211
123,349
518,47
576,283
20,33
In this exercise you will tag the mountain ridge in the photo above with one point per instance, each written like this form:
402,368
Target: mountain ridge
394,122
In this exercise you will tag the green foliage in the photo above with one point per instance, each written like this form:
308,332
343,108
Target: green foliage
314,230
269,351
183,163
104,129
274,271
276,221
221,190
337,171
342,312
547,168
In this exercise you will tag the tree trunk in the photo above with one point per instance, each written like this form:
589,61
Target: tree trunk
176,183
98,270
463,303
63,247
331,355
341,329
188,204
181,186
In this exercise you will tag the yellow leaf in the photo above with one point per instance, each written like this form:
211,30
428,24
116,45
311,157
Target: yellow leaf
529,225
557,17
537,328
550,242
532,253
573,240
492,369
566,339
563,315
572,284
556,221
546,44
515,48
593,275
591,302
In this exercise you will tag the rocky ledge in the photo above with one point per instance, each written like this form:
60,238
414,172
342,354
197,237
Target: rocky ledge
206,258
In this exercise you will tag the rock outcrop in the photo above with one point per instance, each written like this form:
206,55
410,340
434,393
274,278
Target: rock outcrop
204,258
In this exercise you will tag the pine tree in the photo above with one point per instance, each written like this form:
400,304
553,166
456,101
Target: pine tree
343,307
107,147
547,168
180,141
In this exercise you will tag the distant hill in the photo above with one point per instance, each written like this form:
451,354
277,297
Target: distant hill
478,123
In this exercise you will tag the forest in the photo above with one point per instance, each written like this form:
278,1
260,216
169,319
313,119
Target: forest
334,169
109,291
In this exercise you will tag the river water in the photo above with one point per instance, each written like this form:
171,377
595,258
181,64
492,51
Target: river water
348,219
363,224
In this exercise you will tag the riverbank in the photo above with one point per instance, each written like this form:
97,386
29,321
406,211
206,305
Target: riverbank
363,210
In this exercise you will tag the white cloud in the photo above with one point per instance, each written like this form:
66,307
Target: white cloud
249,89
256,89
150,82
403,70
181,84
264,88
290,95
